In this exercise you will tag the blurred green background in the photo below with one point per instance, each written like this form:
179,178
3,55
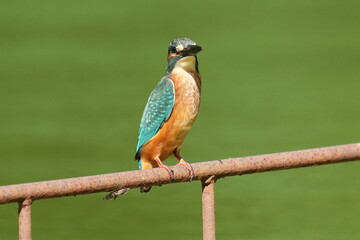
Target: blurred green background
277,76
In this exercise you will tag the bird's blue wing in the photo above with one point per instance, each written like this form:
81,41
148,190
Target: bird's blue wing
158,109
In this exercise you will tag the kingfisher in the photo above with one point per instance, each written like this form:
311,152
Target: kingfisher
171,109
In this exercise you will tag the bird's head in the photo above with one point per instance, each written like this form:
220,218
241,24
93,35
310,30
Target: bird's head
182,51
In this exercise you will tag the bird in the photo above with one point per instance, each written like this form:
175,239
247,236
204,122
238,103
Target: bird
171,109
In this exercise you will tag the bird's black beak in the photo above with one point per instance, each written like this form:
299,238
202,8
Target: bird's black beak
191,50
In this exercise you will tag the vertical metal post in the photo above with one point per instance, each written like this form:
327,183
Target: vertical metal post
208,209
25,219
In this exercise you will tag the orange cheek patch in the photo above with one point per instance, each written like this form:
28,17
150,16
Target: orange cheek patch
170,55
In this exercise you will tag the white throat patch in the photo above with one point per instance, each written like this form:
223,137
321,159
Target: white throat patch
187,63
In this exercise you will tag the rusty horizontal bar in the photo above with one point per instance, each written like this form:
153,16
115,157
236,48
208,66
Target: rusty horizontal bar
158,176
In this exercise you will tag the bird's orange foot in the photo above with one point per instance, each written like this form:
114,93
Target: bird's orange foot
182,162
161,165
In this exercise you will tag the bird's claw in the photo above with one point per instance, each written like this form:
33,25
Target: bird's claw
182,162
161,165
172,175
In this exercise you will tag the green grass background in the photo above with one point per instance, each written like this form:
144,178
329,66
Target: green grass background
277,76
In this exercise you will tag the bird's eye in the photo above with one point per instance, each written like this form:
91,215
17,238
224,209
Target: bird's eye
173,49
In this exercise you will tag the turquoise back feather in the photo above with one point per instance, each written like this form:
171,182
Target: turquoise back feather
157,111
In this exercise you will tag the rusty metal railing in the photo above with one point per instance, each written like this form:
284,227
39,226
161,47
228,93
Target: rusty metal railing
206,172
